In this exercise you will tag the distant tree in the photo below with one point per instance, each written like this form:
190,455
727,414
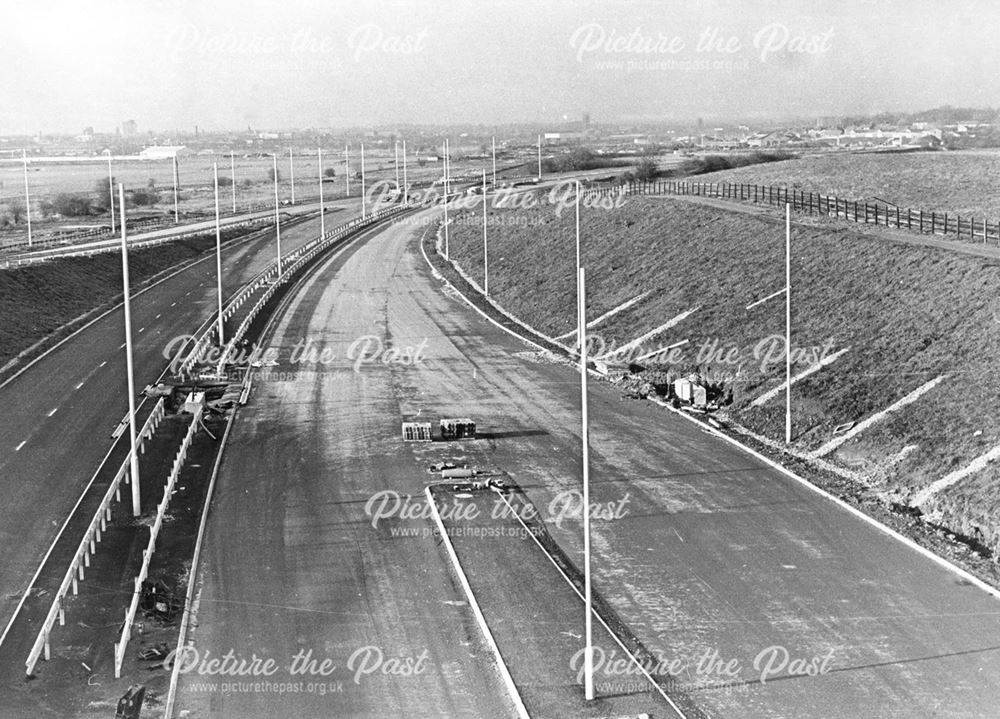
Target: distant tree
143,198
271,172
152,183
70,204
17,212
329,172
248,183
225,181
646,170
102,190
11,213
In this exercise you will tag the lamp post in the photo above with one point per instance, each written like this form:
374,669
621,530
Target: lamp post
486,254
444,162
177,214
277,216
364,210
347,169
539,157
588,656
787,291
111,192
788,324
395,149
218,255
232,169
134,454
406,187
27,196
322,212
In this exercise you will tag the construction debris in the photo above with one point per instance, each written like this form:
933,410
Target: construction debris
417,432
463,428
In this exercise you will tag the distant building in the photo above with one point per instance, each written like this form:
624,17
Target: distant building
130,128
560,136
164,152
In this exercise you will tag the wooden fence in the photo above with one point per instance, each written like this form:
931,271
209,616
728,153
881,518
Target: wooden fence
967,228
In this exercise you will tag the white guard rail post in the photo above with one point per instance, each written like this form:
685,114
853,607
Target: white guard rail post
154,531
88,546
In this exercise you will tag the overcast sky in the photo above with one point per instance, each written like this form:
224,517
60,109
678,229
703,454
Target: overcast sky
224,64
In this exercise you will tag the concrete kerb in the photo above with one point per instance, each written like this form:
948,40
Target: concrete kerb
505,675
596,614
168,706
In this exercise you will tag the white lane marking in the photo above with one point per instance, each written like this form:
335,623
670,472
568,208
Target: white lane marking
157,317
18,447
640,358
578,593
934,487
79,385
142,329
86,490
53,412
118,306
508,680
121,346
772,393
628,346
173,304
861,426
606,315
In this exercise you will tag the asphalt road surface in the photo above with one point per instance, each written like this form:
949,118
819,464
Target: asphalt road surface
761,598
59,414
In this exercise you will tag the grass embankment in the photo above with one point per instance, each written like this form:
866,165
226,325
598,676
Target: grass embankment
961,183
908,314
39,300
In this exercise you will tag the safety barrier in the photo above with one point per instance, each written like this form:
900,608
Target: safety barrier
289,266
88,545
154,531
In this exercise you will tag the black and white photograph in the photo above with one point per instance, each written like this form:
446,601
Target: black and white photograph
489,359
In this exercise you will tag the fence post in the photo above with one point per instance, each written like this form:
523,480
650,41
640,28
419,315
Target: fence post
933,222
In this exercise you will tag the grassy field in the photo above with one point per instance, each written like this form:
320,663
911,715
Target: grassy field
961,182
907,315
196,187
